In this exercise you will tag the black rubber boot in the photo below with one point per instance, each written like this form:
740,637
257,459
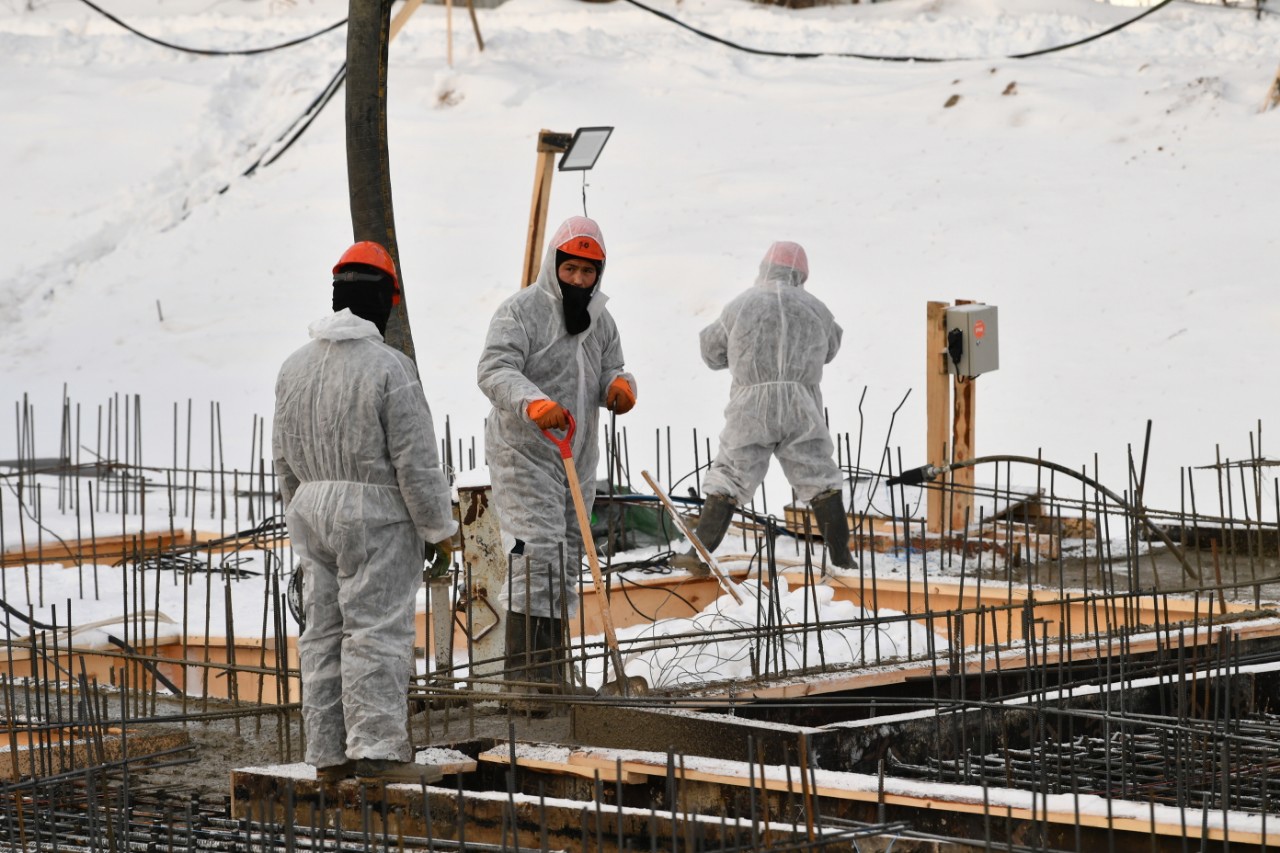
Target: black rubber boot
535,652
713,524
535,647
833,524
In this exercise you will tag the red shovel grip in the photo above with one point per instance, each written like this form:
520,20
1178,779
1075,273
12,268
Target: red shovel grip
566,450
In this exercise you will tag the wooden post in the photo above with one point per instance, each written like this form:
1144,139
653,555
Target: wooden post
1273,95
448,31
962,445
547,151
402,17
937,406
475,24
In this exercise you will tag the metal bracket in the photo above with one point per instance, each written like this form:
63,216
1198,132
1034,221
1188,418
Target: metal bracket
464,602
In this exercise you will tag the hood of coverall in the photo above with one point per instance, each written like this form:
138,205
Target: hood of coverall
548,279
343,326
785,263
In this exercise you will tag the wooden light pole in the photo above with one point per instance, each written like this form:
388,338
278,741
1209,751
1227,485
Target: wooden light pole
550,144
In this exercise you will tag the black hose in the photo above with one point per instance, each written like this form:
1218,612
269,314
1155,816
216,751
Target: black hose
888,58
205,51
368,165
1138,511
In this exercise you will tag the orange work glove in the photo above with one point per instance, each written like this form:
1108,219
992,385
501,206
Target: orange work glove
620,398
548,414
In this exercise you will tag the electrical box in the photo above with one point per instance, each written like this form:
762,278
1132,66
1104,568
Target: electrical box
973,340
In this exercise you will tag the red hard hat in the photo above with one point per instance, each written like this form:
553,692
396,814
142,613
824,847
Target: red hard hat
784,253
371,254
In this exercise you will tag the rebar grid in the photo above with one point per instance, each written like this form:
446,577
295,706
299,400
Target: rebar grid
1085,617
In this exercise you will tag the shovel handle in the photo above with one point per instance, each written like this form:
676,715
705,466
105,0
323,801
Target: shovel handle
565,444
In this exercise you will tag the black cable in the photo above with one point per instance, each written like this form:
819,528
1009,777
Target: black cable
312,111
201,51
850,55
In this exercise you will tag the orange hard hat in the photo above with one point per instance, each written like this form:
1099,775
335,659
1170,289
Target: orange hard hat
371,254
583,246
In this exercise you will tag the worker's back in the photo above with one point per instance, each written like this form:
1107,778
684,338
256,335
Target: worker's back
773,332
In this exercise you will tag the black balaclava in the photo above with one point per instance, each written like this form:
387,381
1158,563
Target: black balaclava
576,299
369,299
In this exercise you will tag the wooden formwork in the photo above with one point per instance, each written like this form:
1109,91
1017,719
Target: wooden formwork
972,615
44,751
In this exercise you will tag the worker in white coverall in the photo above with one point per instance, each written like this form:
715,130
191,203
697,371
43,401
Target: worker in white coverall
552,350
355,453
774,338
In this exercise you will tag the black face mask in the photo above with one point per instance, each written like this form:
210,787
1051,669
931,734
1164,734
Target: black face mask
576,299
370,301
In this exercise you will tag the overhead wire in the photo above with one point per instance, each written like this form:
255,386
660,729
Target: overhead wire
786,54
300,125
200,51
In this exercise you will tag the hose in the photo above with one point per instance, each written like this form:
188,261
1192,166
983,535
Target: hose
889,58
206,51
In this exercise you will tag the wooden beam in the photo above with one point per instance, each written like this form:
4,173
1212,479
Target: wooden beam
962,443
937,405
1272,100
970,799
538,212
402,17
555,759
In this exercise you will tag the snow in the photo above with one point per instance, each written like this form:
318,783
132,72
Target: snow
668,655
1115,208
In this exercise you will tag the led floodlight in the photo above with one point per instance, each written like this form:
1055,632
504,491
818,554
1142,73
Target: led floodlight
584,149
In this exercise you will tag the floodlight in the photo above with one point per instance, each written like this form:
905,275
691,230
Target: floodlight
584,149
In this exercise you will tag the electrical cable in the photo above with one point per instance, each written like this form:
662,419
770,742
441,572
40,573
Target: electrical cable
311,113
889,58
205,51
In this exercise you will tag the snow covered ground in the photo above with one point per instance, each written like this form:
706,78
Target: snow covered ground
1117,204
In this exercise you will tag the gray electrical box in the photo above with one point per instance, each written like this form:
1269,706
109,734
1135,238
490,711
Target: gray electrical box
973,340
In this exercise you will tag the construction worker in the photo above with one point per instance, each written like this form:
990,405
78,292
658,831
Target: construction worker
355,453
774,338
552,351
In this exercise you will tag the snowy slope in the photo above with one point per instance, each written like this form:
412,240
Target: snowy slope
1118,206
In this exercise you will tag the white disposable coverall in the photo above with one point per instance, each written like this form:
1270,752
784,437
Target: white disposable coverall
529,355
775,339
355,453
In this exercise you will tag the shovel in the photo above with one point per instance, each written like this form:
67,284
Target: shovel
621,685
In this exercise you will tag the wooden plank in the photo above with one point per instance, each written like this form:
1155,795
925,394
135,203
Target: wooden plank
886,535
937,404
550,761
975,665
100,549
966,799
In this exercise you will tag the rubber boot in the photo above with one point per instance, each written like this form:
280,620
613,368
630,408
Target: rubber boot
833,524
713,524
375,770
534,645
535,652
